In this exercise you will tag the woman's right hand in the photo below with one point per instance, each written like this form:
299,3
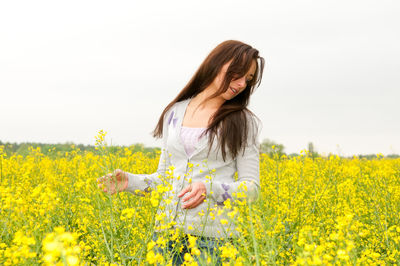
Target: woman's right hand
113,182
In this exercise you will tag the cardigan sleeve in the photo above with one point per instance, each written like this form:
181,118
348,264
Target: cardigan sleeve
248,169
146,182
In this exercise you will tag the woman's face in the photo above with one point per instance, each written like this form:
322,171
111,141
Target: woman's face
237,85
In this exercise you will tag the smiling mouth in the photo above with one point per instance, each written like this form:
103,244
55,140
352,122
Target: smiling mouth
232,89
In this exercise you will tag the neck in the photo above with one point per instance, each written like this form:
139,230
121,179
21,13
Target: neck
213,103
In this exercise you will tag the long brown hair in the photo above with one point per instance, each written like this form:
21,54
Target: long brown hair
230,122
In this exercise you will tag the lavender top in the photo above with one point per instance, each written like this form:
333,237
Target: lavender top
190,137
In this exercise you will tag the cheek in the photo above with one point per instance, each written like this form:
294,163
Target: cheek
218,80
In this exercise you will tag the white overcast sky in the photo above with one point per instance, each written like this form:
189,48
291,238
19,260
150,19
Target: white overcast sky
71,68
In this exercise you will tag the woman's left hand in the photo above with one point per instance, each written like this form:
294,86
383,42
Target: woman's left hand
194,193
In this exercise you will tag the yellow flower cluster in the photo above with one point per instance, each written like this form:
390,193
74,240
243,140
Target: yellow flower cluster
311,211
60,247
152,257
20,252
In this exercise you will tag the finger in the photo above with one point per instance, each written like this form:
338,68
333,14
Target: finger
109,185
102,179
109,189
193,197
195,202
110,176
191,205
186,189
110,179
190,195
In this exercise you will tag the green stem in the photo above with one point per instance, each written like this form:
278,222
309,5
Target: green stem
253,235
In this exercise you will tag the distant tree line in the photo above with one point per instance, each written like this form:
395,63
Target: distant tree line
56,150
270,147
60,149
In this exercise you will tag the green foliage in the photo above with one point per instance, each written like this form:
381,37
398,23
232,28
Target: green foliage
373,156
61,149
270,147
311,149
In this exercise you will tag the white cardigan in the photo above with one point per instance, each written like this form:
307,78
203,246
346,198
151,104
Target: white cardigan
199,221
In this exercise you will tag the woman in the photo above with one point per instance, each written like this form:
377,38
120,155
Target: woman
212,105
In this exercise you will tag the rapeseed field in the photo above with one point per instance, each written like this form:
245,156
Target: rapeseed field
311,211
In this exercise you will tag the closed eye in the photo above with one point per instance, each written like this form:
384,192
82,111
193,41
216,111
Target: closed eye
251,76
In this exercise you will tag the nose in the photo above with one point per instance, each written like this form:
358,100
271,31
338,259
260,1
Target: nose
241,82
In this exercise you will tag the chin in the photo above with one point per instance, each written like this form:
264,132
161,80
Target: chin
229,97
